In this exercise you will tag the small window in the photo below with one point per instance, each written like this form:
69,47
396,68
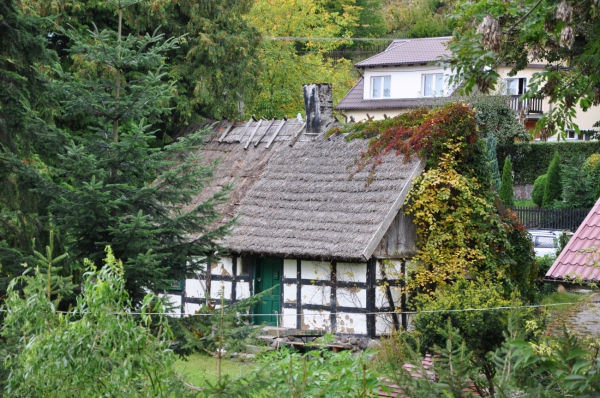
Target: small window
433,85
571,134
176,284
381,86
245,265
516,86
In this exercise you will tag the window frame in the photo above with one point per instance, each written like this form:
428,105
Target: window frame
381,86
507,79
434,90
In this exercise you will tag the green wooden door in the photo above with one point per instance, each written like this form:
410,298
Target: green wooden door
267,273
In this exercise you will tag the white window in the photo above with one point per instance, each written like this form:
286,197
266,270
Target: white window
381,86
516,85
433,85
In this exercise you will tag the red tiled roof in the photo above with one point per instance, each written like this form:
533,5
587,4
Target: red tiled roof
410,51
354,100
574,262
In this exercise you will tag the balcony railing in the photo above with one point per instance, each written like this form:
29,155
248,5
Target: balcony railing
530,105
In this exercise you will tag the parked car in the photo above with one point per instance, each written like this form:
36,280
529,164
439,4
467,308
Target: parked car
545,242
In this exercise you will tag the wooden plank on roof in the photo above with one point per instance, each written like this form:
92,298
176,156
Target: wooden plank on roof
245,129
253,133
276,132
391,215
297,135
265,133
227,130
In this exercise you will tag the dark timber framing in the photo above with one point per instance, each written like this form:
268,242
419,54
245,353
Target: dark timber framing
370,286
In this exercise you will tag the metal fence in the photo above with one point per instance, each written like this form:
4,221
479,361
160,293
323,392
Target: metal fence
536,218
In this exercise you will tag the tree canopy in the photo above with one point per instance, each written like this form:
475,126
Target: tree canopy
561,34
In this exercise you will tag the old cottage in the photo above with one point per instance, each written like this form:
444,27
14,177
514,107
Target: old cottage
335,246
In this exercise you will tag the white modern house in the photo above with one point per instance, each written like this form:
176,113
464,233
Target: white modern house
412,73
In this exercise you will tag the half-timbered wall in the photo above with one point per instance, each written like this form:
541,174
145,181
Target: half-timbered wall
342,297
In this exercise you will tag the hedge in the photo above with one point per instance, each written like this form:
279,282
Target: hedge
530,160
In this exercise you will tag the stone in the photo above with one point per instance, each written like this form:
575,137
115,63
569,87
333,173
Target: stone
353,340
374,345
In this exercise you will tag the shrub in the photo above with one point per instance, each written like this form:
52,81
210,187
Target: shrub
531,160
507,194
482,331
553,189
539,186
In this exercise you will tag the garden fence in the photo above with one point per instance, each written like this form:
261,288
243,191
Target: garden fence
564,219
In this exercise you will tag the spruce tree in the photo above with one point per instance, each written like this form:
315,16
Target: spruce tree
112,185
553,189
507,193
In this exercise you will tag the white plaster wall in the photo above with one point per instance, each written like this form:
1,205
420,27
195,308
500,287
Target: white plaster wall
175,301
318,295
194,288
288,318
315,270
351,297
381,299
360,115
393,269
191,308
384,324
351,272
290,269
316,320
223,267
351,323
242,290
406,81
217,286
289,293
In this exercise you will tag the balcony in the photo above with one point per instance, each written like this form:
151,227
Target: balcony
530,105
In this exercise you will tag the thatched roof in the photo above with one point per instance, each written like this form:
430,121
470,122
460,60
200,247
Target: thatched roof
299,201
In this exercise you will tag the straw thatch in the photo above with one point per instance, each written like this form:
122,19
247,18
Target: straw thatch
299,201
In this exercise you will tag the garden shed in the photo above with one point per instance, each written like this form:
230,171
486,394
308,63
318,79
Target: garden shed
332,238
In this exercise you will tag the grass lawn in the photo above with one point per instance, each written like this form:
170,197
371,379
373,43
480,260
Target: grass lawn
525,203
199,368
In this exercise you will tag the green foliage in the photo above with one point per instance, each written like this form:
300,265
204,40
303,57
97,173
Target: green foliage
95,348
495,117
579,183
530,160
539,187
451,374
563,35
22,52
110,186
197,333
319,373
507,194
459,229
482,331
490,143
544,263
290,64
417,19
553,189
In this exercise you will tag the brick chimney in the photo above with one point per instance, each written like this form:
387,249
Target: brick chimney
318,102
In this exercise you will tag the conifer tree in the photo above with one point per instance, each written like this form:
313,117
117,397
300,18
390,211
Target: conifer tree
507,193
22,49
553,189
111,186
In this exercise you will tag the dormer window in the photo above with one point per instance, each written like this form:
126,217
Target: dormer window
433,84
381,86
